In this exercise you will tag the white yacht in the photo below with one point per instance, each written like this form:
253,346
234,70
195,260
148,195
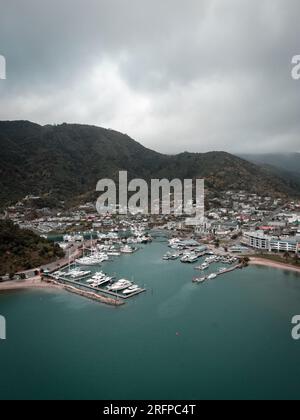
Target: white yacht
113,253
80,274
200,280
119,285
96,258
90,281
132,289
127,249
89,261
210,260
184,259
143,239
70,272
98,275
131,241
192,258
167,256
102,256
100,282
68,238
175,256
174,241
189,258
212,276
58,274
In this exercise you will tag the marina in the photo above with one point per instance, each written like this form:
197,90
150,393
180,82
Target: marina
82,273
96,290
85,273
97,282
189,326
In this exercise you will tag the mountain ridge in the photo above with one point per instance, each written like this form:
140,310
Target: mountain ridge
65,162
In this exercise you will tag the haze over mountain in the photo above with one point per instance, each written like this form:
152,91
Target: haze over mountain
66,161
286,165
285,161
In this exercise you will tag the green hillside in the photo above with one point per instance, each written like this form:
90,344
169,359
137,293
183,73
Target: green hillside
23,250
64,162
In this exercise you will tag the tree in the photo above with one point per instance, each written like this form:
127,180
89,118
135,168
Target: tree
244,261
217,243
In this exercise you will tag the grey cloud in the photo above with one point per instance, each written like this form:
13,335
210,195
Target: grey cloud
195,75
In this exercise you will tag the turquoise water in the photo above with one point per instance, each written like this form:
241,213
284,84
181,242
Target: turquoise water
228,338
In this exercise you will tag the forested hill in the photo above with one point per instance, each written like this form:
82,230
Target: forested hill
66,161
23,250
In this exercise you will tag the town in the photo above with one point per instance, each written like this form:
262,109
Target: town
237,221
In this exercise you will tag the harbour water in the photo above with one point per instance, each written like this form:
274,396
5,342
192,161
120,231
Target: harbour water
228,338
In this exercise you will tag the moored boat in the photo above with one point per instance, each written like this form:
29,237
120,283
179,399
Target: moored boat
119,285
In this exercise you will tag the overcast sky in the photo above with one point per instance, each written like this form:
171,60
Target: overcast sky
176,75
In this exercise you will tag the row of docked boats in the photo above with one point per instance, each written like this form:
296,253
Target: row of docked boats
171,256
204,278
128,249
95,258
110,250
216,259
224,259
72,274
211,276
141,239
202,267
125,286
103,253
99,279
73,238
189,257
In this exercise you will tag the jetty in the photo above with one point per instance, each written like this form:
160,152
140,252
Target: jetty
82,290
86,290
228,270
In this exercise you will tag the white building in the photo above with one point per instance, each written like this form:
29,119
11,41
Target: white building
259,240
286,245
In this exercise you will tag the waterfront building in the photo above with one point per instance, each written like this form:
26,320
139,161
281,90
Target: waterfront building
259,240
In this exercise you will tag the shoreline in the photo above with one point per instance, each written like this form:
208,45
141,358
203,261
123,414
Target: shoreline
273,264
38,283
33,283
